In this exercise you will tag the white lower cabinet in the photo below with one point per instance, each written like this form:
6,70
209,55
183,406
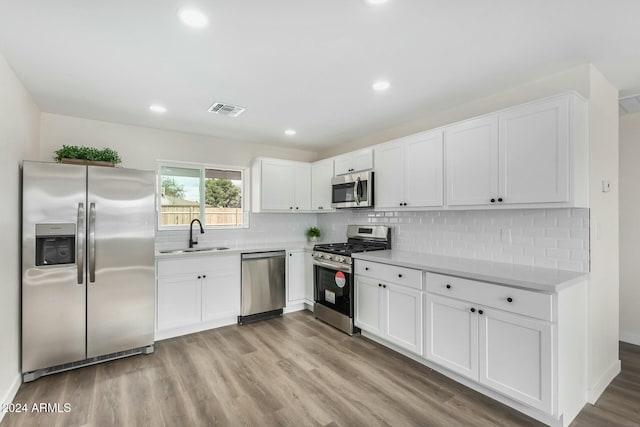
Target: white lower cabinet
296,277
452,335
506,352
515,357
391,311
197,293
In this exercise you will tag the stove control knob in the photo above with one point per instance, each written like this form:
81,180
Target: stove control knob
319,255
341,259
328,257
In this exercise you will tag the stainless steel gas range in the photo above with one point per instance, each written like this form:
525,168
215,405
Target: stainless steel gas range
333,273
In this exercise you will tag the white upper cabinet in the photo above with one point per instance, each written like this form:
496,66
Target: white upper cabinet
389,175
355,161
409,172
281,185
532,154
321,174
472,162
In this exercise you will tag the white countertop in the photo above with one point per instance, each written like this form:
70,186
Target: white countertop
244,248
520,276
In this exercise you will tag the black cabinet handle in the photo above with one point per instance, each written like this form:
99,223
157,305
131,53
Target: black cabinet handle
499,199
296,208
379,285
493,200
404,204
480,312
448,286
199,277
400,203
366,268
290,254
204,276
290,207
384,286
509,299
399,275
473,310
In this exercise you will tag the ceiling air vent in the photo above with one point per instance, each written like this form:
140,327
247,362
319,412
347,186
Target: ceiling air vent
226,109
629,105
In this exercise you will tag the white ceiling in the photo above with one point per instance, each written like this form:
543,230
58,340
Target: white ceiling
307,65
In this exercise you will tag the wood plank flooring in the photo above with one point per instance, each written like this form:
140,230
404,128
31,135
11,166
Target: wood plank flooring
290,371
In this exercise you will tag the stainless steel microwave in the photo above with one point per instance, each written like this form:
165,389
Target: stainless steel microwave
352,191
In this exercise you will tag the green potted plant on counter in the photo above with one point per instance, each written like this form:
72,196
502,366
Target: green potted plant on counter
87,156
313,233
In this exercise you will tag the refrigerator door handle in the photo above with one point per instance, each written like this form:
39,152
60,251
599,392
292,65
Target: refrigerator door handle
80,244
92,242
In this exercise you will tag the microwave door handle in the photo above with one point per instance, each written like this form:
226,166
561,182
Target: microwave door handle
80,244
356,191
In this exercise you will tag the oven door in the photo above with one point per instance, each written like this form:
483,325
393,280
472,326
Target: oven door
333,284
352,191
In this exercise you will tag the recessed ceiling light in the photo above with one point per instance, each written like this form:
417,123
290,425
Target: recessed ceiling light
381,85
290,132
193,18
156,108
376,1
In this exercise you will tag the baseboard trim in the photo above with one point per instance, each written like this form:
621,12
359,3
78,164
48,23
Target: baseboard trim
630,338
11,393
594,393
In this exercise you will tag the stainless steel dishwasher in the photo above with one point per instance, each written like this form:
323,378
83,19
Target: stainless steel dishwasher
263,285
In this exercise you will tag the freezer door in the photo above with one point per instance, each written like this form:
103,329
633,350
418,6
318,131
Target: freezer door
53,292
120,259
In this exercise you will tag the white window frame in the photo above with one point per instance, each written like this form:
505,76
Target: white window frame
246,199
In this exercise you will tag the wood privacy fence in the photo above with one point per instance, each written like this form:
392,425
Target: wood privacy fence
179,215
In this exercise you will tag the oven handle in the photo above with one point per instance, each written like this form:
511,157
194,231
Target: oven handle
356,191
338,267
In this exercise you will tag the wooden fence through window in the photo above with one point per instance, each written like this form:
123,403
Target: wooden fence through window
183,214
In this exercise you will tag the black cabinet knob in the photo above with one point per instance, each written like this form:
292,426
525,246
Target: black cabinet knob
499,199
204,276
473,310
366,268
404,204
384,286
379,285
297,208
199,277
290,207
290,254
448,286
493,200
480,312
509,299
399,275
400,203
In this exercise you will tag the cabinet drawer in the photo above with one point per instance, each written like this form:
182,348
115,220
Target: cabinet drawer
198,264
390,273
520,301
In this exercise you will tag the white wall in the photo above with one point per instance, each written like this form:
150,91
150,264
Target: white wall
604,299
19,127
141,147
630,228
573,79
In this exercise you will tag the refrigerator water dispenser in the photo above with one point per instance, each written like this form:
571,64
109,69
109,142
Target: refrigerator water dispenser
55,244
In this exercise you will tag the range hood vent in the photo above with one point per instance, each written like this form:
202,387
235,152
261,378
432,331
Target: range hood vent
226,109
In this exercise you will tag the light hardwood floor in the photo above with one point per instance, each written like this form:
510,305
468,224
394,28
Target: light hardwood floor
292,371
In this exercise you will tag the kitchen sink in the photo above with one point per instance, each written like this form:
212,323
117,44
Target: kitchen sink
186,251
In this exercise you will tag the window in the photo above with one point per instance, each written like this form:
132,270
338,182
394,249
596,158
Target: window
214,195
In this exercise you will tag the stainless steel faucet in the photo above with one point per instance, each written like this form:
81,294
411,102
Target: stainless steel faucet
191,241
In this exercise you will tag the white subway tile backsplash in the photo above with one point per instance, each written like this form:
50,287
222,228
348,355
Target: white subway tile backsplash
554,238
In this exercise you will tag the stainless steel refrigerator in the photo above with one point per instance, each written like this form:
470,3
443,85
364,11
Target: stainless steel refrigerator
88,280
